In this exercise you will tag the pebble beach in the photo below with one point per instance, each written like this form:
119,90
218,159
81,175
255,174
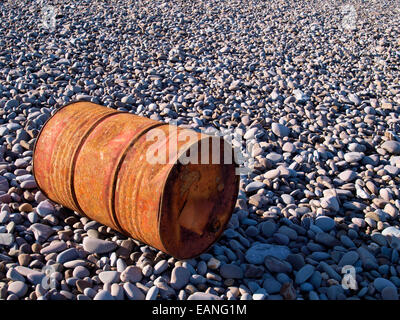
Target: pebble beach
308,91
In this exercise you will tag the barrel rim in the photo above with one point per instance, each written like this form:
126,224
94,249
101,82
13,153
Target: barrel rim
169,174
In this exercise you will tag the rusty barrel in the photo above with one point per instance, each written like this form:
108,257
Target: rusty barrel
172,188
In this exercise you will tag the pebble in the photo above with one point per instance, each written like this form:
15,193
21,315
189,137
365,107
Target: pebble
325,223
276,265
326,239
67,255
381,283
347,175
103,295
18,288
117,291
45,208
349,258
280,130
271,285
99,246
80,272
257,253
109,276
152,293
231,271
203,296
391,231
55,246
41,231
253,186
160,267
304,273
133,292
6,239
131,274
180,277
353,156
389,293
393,147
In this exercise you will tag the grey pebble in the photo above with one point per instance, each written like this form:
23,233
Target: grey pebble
103,295
133,292
93,245
109,276
18,288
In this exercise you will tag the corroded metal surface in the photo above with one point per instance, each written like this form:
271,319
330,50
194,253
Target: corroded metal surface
98,162
95,160
57,146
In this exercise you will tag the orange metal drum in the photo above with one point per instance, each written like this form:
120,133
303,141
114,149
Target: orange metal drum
169,187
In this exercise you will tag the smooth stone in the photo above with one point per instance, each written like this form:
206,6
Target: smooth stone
133,292
254,186
392,170
296,260
161,266
287,199
379,239
81,285
325,223
330,271
391,231
117,291
36,278
109,276
203,296
231,271
326,239
152,293
389,293
330,203
353,156
103,295
18,288
304,273
349,258
271,285
368,260
74,263
272,174
99,246
29,184
80,272
67,255
391,146
250,133
276,265
289,147
179,277
347,175
6,239
274,157
381,283
45,208
54,246
258,251
280,130
131,274
268,228
14,275
41,231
